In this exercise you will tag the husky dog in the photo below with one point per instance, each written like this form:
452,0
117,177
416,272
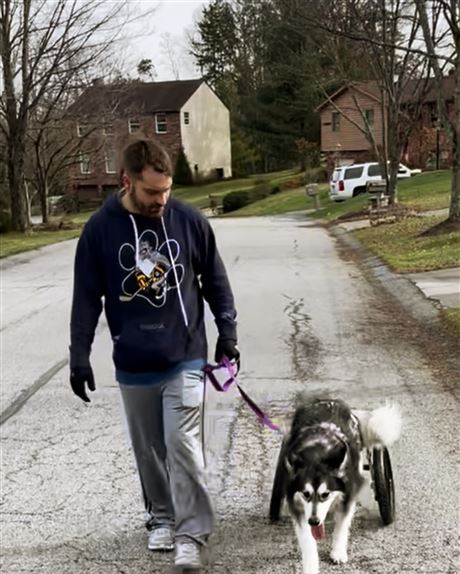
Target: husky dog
320,469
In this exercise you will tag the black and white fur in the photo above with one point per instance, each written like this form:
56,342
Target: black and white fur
320,469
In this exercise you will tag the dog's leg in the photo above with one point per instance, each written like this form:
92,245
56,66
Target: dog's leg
307,544
340,536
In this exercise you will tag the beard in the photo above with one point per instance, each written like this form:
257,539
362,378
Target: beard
150,210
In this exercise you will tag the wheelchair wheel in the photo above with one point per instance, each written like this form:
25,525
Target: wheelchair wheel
278,490
383,484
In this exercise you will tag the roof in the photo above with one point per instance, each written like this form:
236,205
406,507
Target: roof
429,89
369,88
412,90
135,96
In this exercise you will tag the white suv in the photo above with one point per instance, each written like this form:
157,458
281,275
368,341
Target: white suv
349,181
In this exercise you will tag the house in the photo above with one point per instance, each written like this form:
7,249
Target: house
177,114
342,119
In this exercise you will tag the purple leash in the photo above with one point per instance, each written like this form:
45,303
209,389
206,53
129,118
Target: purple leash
223,388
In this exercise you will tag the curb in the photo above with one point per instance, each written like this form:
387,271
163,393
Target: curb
423,309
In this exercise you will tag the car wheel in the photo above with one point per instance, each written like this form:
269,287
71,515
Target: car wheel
358,190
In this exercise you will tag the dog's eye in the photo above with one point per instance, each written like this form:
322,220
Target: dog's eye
307,495
324,495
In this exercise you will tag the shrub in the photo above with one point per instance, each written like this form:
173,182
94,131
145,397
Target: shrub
67,203
262,189
235,200
182,172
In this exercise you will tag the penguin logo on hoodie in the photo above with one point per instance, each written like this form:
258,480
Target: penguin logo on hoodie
152,275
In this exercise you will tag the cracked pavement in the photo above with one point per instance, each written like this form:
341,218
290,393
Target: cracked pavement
310,318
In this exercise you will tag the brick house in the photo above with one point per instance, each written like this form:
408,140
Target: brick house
185,114
344,143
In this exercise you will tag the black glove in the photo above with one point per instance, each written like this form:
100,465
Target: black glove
78,377
227,348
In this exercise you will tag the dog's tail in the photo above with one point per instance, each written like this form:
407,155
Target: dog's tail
380,427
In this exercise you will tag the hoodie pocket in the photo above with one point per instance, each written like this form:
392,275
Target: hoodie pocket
147,347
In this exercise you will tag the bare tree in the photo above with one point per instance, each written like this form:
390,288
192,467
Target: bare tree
170,49
47,50
442,41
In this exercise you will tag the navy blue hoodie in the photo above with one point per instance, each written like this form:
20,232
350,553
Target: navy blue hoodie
153,276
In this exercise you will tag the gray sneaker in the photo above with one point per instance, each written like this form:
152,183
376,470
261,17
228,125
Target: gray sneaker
161,539
188,554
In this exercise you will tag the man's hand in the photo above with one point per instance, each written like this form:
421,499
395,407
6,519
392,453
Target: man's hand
78,377
227,348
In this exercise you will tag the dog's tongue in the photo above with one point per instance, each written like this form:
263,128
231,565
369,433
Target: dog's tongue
318,532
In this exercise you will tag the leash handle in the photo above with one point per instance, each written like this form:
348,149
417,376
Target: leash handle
232,369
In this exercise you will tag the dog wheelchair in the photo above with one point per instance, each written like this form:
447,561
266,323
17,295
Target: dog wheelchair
377,463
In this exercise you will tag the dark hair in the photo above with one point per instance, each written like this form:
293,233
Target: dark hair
141,153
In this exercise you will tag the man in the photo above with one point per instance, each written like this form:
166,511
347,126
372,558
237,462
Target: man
154,261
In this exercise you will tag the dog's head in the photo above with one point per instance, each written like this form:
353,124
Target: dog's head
315,476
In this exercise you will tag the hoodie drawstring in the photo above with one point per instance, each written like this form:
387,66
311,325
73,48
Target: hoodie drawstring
176,278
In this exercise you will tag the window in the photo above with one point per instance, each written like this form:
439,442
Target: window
187,118
110,161
81,129
134,126
85,165
353,173
108,129
374,170
160,123
369,115
335,121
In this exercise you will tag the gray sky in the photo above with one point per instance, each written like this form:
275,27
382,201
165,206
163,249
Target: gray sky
147,38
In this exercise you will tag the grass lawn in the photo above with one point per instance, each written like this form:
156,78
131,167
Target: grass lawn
426,191
198,195
422,192
13,243
283,202
452,318
400,246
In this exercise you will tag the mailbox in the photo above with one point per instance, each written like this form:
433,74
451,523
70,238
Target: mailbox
312,189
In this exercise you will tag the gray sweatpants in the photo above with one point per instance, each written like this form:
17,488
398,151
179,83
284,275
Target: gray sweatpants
164,421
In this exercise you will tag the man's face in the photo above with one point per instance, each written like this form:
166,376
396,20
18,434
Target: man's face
150,193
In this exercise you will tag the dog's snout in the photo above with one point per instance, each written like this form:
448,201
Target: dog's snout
313,521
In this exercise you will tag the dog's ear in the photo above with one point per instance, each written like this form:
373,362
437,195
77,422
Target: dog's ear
289,467
336,457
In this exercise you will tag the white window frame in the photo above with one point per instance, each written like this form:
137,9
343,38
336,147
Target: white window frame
84,163
107,159
132,129
157,130
186,118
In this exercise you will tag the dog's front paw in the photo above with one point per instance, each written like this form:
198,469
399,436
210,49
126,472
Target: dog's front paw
339,555
311,567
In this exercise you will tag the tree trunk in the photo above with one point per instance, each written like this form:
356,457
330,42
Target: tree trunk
44,200
19,217
454,210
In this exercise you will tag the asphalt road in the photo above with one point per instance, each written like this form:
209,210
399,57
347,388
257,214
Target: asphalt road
309,319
